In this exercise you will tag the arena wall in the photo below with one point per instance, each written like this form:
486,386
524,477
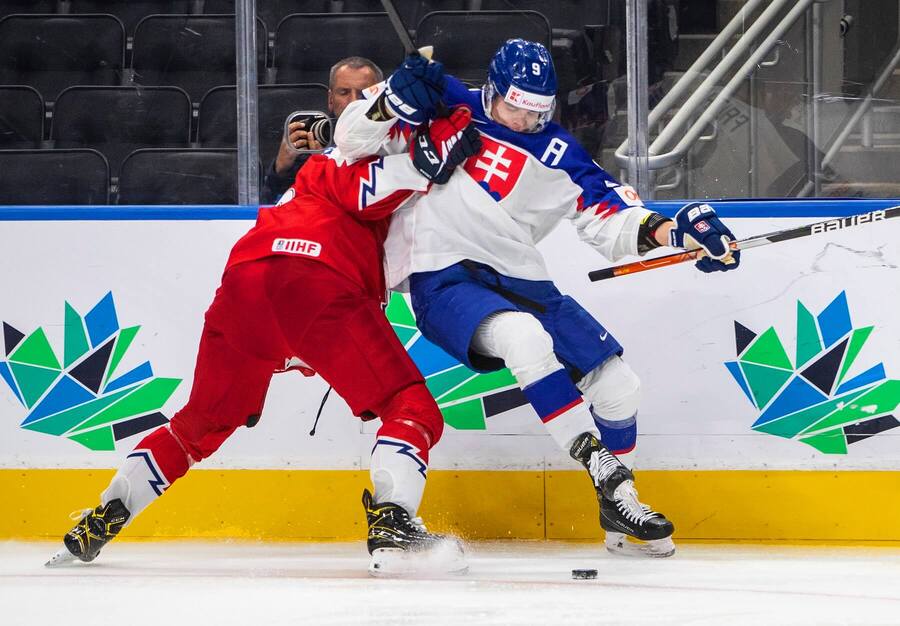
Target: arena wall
731,446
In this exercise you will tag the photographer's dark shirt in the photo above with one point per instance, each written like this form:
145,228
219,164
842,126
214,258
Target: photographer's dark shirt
274,185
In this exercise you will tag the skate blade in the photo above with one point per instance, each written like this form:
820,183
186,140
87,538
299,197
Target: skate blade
447,558
620,543
62,557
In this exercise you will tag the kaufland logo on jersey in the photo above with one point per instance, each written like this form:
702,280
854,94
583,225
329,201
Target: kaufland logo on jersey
496,168
530,101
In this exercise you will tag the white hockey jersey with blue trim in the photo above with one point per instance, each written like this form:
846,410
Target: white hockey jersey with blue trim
500,203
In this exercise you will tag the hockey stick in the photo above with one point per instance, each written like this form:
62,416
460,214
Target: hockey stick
408,46
751,242
399,27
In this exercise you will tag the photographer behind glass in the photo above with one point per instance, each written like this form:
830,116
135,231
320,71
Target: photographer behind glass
347,79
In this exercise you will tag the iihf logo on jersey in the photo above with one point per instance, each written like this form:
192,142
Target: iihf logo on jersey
496,168
821,400
83,398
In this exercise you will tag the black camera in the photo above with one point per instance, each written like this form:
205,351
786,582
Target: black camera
316,122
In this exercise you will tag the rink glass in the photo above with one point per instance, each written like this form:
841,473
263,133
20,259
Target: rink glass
798,98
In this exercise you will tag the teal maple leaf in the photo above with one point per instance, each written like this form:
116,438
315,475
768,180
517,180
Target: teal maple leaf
81,397
812,399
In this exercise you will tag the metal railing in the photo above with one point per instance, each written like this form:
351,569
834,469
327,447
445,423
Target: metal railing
698,99
863,107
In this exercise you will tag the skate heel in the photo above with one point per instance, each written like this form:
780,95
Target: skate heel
622,544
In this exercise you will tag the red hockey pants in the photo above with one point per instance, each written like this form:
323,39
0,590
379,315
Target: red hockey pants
269,310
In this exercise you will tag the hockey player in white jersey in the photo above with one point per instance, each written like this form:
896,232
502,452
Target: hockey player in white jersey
480,290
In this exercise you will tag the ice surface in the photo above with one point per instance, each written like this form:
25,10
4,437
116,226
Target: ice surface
250,584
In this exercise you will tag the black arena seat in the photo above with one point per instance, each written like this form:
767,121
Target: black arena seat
191,176
52,52
53,177
302,58
466,41
194,52
411,11
21,117
562,14
119,120
9,7
130,11
218,118
273,11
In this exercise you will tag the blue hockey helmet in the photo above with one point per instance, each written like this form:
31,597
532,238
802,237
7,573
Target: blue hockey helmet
522,73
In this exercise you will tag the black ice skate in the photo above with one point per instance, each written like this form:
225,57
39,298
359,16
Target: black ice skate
622,515
401,545
95,528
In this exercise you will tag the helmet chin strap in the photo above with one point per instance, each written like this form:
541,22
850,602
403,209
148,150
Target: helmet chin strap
487,99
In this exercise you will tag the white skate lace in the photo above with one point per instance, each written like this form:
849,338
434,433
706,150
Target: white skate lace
601,466
80,514
418,525
627,502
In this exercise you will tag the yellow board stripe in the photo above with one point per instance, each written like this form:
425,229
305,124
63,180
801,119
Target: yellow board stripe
794,506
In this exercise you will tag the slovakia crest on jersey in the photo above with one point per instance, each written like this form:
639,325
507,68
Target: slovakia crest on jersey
496,168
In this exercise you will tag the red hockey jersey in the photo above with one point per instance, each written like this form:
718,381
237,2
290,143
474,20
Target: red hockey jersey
336,213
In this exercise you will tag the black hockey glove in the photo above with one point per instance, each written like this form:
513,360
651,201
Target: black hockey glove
437,149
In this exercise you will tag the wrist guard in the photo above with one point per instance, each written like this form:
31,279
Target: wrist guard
646,241
379,111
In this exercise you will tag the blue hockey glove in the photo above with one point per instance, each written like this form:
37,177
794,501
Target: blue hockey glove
414,90
437,149
698,226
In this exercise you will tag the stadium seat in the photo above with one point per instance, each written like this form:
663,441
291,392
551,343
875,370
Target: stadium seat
53,177
192,176
302,58
52,52
194,52
577,27
465,42
562,14
272,11
130,11
118,120
218,119
21,117
9,7
411,11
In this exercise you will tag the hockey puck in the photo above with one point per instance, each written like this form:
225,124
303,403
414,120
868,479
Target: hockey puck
584,574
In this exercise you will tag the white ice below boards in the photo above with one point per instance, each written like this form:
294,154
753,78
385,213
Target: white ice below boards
508,583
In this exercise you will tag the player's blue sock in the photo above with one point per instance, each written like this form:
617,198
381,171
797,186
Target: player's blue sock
618,436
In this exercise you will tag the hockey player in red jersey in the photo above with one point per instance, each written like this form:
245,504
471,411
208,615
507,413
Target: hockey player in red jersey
307,282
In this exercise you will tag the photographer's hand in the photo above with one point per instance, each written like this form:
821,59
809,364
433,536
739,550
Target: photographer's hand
301,140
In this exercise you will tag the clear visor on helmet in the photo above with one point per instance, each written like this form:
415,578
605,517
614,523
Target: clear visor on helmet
543,105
